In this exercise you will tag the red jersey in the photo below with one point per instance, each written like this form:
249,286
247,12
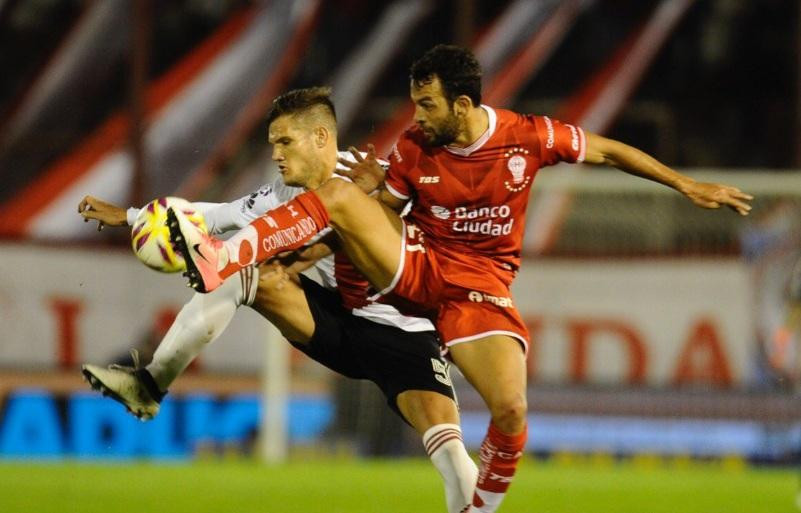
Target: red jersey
472,201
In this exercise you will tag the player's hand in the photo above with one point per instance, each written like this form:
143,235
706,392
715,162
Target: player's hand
714,195
273,276
366,172
103,212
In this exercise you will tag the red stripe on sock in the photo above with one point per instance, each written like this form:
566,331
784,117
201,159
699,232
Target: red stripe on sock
441,433
434,438
443,441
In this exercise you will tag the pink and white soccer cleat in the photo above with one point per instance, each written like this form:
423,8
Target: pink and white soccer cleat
201,252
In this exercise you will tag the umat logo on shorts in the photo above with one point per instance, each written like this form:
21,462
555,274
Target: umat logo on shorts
480,297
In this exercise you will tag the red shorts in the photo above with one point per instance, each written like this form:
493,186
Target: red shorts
470,298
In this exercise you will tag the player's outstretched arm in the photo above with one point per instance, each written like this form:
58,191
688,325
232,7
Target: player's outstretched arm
103,212
601,150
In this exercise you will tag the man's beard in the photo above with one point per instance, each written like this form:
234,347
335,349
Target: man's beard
445,135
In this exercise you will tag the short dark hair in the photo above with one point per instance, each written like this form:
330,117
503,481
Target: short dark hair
457,68
298,101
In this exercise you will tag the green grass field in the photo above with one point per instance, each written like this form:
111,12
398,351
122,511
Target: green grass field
410,486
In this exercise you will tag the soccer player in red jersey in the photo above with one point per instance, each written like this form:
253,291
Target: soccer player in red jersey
467,170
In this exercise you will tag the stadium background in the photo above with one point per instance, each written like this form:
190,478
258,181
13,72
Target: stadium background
664,371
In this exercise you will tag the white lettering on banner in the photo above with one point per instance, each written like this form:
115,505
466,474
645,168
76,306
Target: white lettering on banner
480,297
429,179
549,130
290,236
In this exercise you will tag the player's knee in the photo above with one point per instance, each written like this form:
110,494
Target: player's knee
509,413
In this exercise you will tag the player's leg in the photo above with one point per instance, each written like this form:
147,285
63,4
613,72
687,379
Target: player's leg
495,365
408,368
436,418
199,322
283,302
370,231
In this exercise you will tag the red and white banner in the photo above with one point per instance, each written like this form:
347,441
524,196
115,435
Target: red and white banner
62,307
649,321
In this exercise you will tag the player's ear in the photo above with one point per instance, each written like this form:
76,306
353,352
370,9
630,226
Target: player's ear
462,105
321,135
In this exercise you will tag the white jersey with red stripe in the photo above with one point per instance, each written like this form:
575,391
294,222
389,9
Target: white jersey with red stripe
334,273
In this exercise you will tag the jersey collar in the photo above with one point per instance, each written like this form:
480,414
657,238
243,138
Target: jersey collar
467,150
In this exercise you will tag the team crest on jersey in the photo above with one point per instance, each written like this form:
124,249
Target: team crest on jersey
517,166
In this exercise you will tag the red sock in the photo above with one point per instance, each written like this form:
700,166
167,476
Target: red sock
285,228
499,455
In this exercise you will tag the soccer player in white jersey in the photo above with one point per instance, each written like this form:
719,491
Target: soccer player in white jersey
367,341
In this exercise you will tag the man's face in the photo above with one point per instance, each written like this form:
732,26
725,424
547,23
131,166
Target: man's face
433,113
294,150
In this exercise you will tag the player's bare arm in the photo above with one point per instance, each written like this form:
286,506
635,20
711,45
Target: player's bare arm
103,212
296,262
601,150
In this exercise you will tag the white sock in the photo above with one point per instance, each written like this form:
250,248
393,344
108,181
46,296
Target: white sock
200,322
444,446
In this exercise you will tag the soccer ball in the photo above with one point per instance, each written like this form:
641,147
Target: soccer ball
150,236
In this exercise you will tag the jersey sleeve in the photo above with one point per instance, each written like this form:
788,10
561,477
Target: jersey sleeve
396,180
239,213
559,142
234,215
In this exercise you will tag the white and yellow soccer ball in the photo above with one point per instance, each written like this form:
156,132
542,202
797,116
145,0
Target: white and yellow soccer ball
150,236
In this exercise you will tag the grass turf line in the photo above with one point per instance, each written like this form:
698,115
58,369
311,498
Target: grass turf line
401,486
